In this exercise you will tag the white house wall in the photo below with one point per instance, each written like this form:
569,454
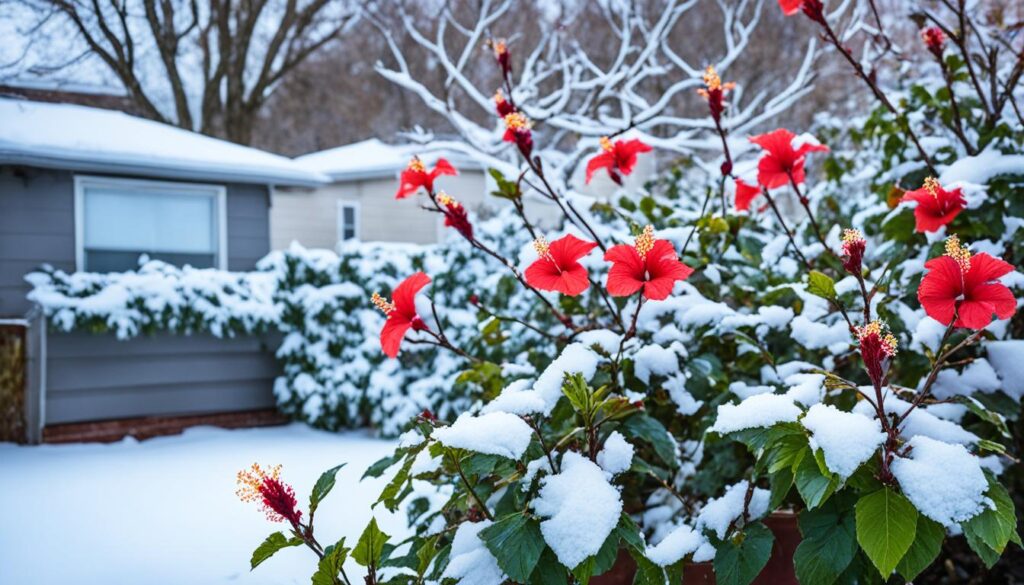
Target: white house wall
310,217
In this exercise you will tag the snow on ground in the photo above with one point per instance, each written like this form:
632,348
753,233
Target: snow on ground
164,511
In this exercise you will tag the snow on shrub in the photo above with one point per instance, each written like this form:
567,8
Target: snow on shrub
157,297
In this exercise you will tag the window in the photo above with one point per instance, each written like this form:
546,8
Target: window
348,220
117,220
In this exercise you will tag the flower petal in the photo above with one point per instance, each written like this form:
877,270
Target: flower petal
405,293
393,332
569,249
985,268
605,160
940,288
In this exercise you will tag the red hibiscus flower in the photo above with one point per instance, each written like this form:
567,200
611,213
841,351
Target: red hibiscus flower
651,265
415,176
558,268
401,313
455,215
781,160
813,9
745,193
517,131
935,40
935,206
965,287
619,157
276,498
714,91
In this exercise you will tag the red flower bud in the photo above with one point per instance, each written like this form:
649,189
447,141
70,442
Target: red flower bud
853,251
935,40
427,415
877,348
277,499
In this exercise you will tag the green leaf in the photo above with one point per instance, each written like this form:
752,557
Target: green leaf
371,543
323,486
739,560
271,545
886,524
814,486
516,543
821,285
994,527
984,551
378,468
644,427
829,544
599,563
426,554
927,544
549,571
391,491
780,482
330,566
576,390
647,573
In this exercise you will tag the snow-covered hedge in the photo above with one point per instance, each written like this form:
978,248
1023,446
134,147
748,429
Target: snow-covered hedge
157,297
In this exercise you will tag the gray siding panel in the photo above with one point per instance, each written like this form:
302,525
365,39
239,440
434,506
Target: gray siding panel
248,225
37,225
98,377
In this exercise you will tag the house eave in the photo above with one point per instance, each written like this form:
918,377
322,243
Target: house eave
163,169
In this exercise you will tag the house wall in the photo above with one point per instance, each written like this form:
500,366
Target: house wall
310,217
97,377
37,226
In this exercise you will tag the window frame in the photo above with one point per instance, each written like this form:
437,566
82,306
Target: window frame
340,220
153,188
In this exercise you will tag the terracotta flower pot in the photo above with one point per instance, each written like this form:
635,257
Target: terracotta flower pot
778,571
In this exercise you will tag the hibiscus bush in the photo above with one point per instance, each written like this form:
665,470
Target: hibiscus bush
745,340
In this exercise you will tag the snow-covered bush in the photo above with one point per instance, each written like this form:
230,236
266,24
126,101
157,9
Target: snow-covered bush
835,355
157,297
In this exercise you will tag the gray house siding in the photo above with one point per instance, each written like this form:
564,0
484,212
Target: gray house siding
37,226
96,377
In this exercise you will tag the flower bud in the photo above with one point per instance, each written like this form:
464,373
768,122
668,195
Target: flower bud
853,251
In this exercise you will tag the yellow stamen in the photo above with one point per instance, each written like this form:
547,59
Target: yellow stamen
499,96
711,78
446,199
852,235
645,241
958,252
382,304
541,246
517,121
931,185
498,46
606,144
415,164
250,480
887,339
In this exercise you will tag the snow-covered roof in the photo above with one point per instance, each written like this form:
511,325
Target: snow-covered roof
80,138
371,159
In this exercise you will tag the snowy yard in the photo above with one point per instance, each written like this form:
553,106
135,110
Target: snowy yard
164,511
